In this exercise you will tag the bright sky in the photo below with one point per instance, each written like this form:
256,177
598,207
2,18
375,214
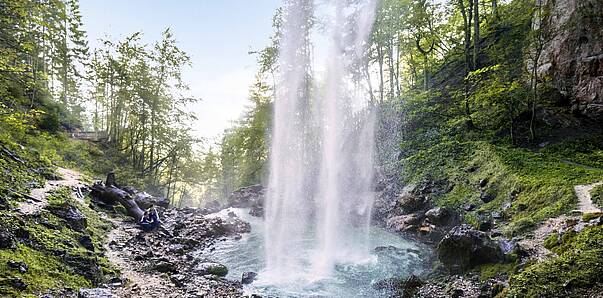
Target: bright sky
217,34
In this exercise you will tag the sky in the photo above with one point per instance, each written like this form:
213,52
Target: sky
217,35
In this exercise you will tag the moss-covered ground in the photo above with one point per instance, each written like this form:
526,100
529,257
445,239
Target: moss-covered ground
573,273
538,184
55,255
597,195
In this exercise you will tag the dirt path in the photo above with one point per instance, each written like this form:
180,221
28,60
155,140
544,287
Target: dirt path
36,201
585,203
138,283
534,243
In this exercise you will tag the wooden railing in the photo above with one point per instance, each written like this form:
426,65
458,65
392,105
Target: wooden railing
94,136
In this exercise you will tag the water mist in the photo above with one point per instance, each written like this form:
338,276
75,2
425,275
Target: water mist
322,147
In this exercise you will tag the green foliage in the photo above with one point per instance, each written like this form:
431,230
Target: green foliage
597,195
571,274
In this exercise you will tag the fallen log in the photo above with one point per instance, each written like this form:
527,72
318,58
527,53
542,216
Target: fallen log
111,195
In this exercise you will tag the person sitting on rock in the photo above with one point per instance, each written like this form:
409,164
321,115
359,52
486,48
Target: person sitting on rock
150,219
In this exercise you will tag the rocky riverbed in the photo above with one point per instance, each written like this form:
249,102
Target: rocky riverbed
164,263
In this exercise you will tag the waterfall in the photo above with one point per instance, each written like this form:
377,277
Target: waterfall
322,146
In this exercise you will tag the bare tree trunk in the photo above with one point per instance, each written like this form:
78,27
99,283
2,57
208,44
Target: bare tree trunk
380,58
476,38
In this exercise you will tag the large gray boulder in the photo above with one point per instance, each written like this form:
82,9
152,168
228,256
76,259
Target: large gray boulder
465,247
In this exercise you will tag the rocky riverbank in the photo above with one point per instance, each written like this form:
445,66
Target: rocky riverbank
167,263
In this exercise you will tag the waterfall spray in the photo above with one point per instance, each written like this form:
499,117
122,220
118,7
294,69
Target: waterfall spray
321,158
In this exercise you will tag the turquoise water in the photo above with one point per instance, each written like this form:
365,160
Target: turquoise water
401,258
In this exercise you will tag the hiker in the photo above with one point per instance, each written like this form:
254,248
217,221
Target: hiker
150,219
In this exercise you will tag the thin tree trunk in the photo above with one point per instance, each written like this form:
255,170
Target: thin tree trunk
380,58
476,38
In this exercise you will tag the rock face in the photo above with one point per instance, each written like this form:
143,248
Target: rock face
574,56
464,248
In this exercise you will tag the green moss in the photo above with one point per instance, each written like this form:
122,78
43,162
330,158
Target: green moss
45,272
488,271
543,183
597,195
51,241
576,269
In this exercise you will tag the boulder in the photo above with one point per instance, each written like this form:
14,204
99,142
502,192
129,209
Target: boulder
402,223
442,216
412,203
247,197
145,200
210,268
248,277
464,248
487,197
74,218
19,266
165,267
212,206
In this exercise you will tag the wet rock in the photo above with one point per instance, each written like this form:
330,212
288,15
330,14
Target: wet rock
402,287
257,211
248,277
19,266
74,218
210,268
411,203
404,223
95,293
464,248
486,197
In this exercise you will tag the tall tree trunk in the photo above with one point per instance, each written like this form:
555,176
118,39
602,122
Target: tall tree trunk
380,58
476,38
390,64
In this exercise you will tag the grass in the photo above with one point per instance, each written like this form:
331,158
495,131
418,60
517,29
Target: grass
542,180
597,195
577,268
55,257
